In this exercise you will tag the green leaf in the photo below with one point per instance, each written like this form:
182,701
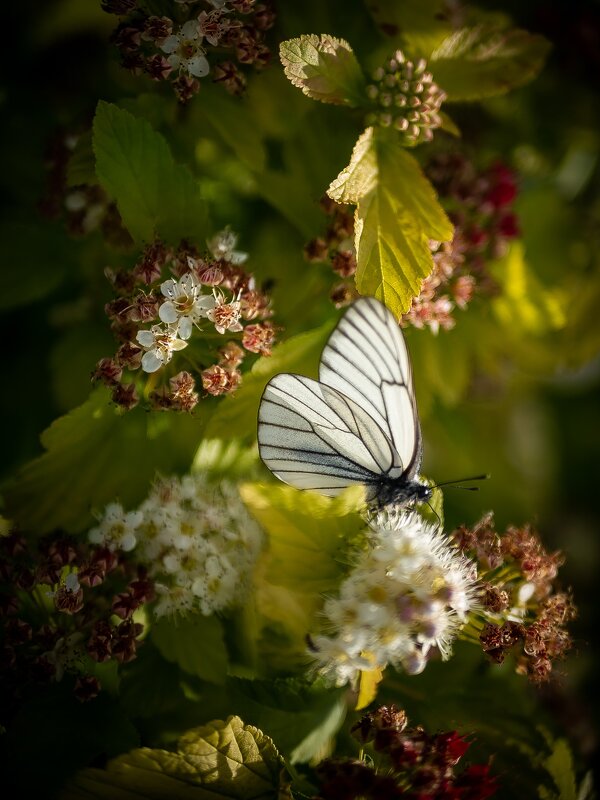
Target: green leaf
324,68
236,415
195,643
308,540
301,717
525,306
221,759
95,454
397,215
418,25
559,764
155,196
473,63
150,684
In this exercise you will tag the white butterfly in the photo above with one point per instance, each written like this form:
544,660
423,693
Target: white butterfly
358,424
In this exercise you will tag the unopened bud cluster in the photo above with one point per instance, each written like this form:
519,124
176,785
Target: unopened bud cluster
406,98
336,247
522,611
154,317
404,762
181,51
88,594
479,203
196,539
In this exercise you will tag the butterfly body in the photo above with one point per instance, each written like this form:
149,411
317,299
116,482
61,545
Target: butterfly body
358,424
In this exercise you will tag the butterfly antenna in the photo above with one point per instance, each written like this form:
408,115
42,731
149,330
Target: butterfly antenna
434,512
455,484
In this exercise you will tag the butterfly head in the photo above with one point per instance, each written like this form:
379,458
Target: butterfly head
402,492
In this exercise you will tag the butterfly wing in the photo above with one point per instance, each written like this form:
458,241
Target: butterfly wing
367,361
313,437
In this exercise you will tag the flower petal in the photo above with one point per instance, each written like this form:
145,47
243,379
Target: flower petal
168,313
169,288
145,338
191,30
185,328
151,362
198,66
188,283
170,44
177,344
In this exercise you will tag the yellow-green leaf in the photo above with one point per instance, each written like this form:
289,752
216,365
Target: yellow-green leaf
324,68
397,215
223,759
196,643
473,63
525,305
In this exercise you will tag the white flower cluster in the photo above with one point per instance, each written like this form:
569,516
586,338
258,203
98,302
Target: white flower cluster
196,538
407,596
185,305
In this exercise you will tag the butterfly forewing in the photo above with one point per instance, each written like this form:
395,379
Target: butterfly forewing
366,359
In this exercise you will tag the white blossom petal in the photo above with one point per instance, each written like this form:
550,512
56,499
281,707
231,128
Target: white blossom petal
170,44
178,344
168,312
198,66
185,328
169,288
151,362
191,29
146,338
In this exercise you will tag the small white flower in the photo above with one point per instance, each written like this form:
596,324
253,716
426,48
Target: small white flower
185,304
160,343
222,247
407,595
185,50
116,529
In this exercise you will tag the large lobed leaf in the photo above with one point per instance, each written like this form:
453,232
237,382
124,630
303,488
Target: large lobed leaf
397,215
479,62
155,196
94,455
217,760
195,643
324,68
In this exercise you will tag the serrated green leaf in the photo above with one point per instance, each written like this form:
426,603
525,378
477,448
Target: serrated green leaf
397,215
473,63
221,759
237,415
196,643
95,454
324,68
81,168
300,716
155,196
